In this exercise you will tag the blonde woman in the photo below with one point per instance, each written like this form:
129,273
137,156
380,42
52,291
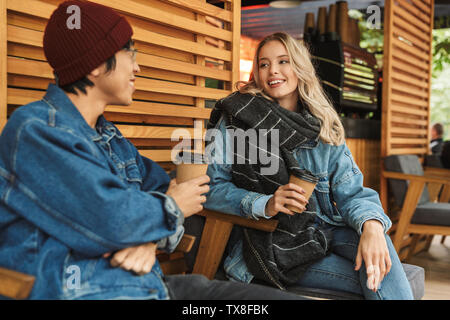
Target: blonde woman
336,239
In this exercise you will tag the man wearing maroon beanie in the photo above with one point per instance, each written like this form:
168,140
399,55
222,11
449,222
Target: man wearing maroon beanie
80,209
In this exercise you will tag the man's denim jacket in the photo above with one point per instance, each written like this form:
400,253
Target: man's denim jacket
342,200
69,194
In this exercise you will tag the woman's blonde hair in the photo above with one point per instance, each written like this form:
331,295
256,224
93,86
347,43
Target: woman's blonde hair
309,87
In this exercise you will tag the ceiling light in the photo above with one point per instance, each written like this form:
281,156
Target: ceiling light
284,4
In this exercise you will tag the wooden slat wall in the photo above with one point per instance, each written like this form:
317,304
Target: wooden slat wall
407,76
181,43
408,26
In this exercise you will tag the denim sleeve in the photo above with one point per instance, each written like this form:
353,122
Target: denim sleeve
74,197
356,203
224,195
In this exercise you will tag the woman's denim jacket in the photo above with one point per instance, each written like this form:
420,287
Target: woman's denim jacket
69,194
340,195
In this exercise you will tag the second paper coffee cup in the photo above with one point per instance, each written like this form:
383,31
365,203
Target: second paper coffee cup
192,165
304,179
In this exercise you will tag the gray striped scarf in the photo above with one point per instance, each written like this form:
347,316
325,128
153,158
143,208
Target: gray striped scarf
280,257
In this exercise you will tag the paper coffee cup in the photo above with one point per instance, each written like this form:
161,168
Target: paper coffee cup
192,166
306,180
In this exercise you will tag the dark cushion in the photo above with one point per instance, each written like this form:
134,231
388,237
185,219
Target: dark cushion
416,278
432,213
433,160
408,164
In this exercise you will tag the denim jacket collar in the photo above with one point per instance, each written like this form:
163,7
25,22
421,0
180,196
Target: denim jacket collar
57,99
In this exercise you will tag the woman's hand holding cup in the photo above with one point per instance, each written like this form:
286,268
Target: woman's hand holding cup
289,194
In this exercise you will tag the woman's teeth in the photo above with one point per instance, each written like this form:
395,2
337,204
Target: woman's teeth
275,82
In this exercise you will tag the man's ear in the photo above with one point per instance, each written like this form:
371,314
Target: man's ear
96,72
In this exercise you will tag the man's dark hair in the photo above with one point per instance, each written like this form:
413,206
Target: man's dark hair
439,128
85,82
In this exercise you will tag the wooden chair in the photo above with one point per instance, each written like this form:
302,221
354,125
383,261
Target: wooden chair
214,229
17,285
423,196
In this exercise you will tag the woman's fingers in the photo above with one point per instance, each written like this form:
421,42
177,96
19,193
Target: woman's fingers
359,259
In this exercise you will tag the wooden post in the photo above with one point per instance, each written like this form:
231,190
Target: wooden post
212,245
3,70
385,114
409,206
430,70
235,8
199,81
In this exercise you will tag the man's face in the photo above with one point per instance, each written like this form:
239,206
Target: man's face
434,134
117,86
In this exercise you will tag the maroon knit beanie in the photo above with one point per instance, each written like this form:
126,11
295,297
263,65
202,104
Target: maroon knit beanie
73,53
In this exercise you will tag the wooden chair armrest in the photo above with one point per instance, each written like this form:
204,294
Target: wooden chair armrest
186,243
433,171
414,177
15,285
262,224
215,235
184,246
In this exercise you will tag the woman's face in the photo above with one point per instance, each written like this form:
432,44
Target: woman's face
276,75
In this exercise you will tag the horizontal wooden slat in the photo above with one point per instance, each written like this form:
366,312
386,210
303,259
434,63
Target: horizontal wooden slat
148,119
23,96
409,90
410,37
25,51
421,6
180,44
179,89
157,155
409,99
407,120
410,28
204,8
183,67
163,97
154,132
420,54
415,11
29,68
411,18
416,68
428,229
422,141
166,18
24,36
25,21
409,79
411,131
408,150
408,110
32,7
166,143
161,109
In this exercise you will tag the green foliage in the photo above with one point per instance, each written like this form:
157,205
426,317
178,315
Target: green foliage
441,50
440,85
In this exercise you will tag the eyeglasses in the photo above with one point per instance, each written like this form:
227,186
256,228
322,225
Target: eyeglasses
133,53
